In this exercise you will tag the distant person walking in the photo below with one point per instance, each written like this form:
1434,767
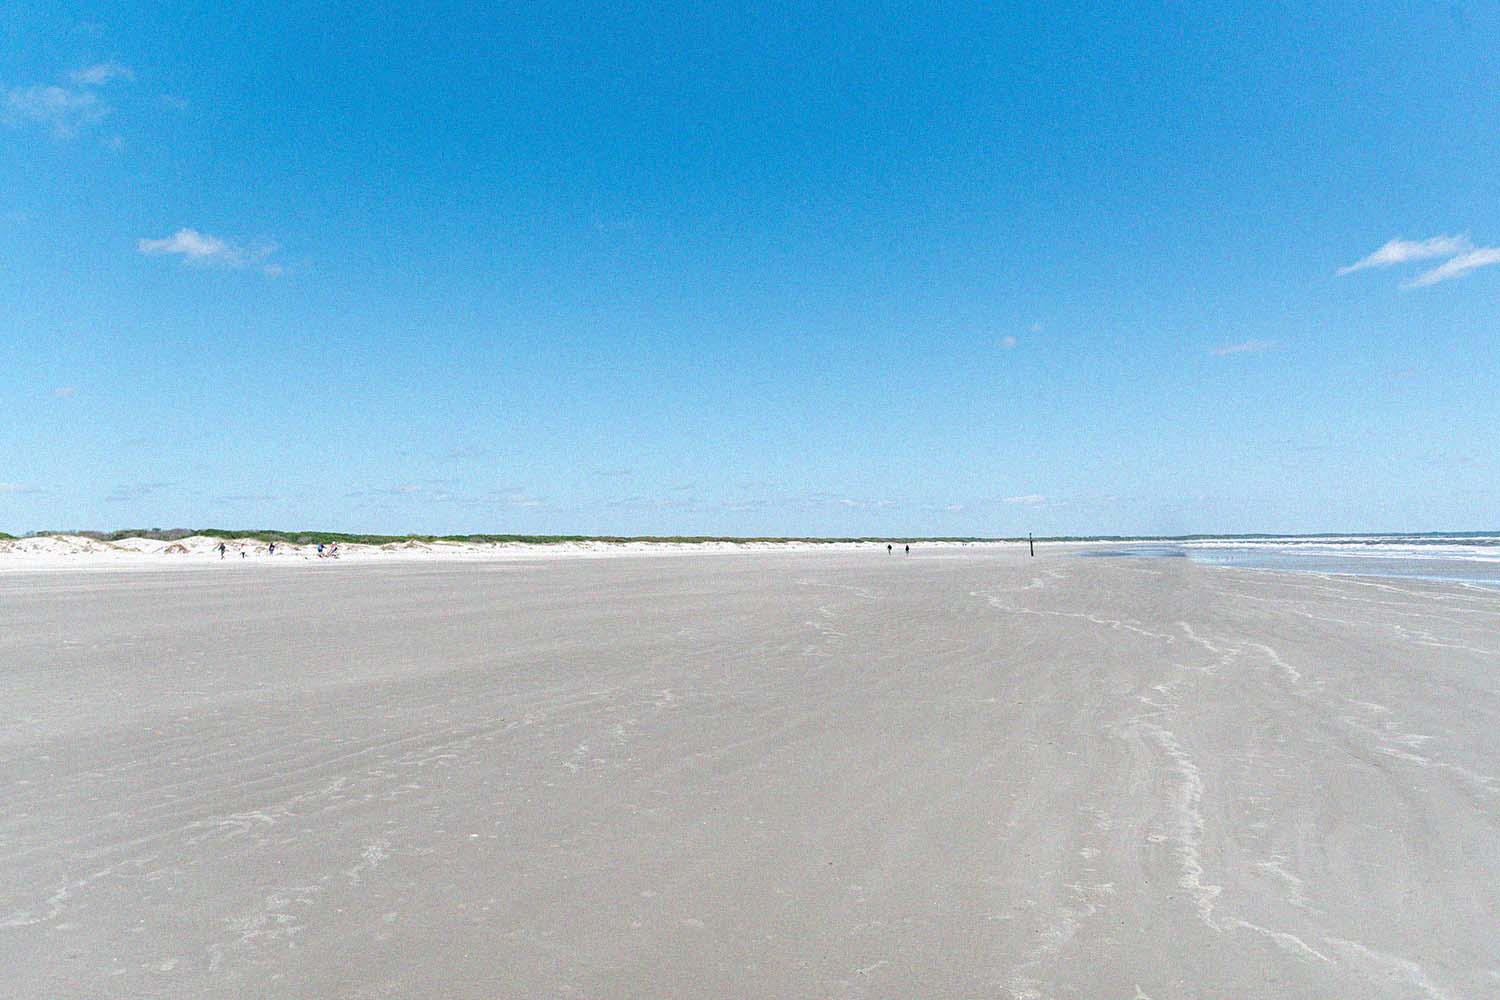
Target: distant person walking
271,549
222,549
889,548
320,550
908,550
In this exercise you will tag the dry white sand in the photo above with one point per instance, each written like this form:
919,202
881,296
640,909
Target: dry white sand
826,774
64,551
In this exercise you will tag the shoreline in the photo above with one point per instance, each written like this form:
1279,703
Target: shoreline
1445,558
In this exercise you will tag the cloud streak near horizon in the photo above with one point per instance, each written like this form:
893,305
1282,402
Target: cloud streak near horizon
1243,347
1399,251
101,73
200,249
1457,267
1463,257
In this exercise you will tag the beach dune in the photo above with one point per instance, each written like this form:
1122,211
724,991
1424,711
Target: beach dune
794,774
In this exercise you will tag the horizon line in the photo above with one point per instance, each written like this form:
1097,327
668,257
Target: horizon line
313,535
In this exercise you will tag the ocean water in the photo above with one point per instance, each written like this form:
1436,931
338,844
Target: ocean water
1463,558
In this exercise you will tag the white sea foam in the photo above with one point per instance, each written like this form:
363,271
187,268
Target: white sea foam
1480,548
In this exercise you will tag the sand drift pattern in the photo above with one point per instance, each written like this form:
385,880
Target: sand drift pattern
789,774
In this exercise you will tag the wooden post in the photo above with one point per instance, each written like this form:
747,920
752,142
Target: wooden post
1031,542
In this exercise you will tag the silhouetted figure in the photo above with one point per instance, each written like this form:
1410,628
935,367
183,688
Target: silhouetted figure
908,550
889,548
221,550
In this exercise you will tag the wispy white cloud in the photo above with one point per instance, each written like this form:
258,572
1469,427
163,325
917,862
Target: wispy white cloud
17,489
102,73
1029,499
399,490
1243,347
1457,267
820,498
445,491
127,492
1007,343
200,249
63,110
64,392
514,496
192,245
651,504
1399,251
68,109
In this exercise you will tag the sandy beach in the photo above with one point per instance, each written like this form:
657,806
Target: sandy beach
963,773
80,552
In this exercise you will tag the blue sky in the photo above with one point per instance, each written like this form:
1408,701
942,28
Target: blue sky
798,270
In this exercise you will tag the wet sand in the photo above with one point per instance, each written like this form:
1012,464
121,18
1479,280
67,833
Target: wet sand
807,774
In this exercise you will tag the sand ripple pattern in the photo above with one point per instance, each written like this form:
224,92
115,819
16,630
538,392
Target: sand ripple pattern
782,774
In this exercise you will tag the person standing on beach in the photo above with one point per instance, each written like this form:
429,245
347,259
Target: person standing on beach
888,548
271,549
221,550
908,549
